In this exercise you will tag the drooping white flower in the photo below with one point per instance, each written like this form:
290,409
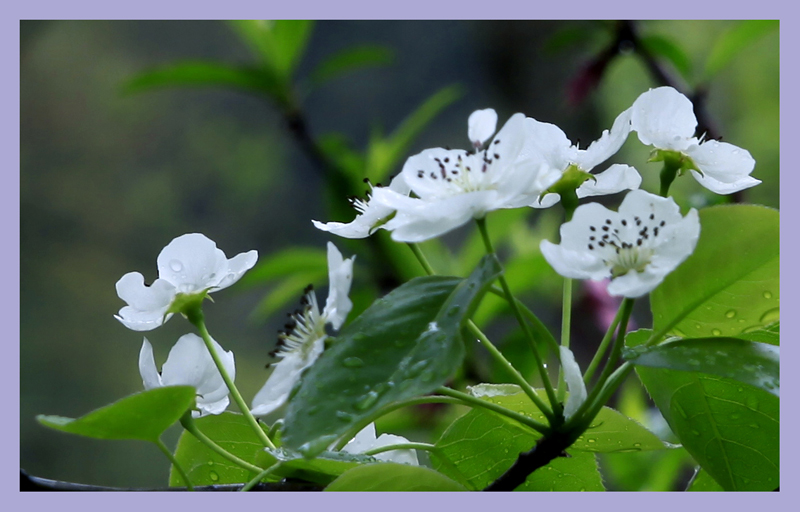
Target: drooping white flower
303,343
190,264
635,247
455,186
560,154
190,364
574,380
366,440
371,215
664,118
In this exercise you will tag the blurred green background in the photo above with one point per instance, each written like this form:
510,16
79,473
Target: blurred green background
108,179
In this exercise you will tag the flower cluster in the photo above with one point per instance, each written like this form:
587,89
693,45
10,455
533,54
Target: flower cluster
529,163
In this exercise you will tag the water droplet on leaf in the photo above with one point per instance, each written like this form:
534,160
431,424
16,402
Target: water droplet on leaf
366,401
353,362
731,313
767,295
716,332
773,315
214,476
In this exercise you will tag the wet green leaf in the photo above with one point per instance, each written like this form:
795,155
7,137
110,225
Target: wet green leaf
393,477
232,432
404,345
144,416
351,59
756,364
610,432
322,469
741,244
483,445
730,429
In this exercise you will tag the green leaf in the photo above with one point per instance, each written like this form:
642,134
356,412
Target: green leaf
288,261
770,334
383,155
483,445
203,74
667,48
610,432
389,476
733,41
322,469
351,59
740,243
404,345
756,364
233,433
143,416
279,43
730,429
702,481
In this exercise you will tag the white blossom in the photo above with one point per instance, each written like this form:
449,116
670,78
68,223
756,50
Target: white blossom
191,264
451,187
664,118
635,247
190,364
303,343
560,154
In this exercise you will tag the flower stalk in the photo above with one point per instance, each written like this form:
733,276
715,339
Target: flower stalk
195,316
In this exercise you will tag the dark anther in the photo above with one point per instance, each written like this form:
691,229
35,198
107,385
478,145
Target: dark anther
366,180
590,247
447,159
496,141
624,222
608,221
591,228
496,156
652,216
662,223
605,228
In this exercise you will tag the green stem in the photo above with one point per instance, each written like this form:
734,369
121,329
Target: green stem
477,402
601,350
548,386
566,321
422,259
195,316
252,483
540,331
593,408
175,463
188,423
518,377
613,359
668,174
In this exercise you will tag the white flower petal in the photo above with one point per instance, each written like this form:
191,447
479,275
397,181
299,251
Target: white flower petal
549,143
664,118
615,179
340,276
365,441
721,188
191,263
725,168
481,125
607,145
574,380
237,266
428,219
151,379
190,364
635,284
286,374
636,247
147,305
573,264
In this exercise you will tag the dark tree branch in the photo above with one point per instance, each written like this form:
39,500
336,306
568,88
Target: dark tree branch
35,483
